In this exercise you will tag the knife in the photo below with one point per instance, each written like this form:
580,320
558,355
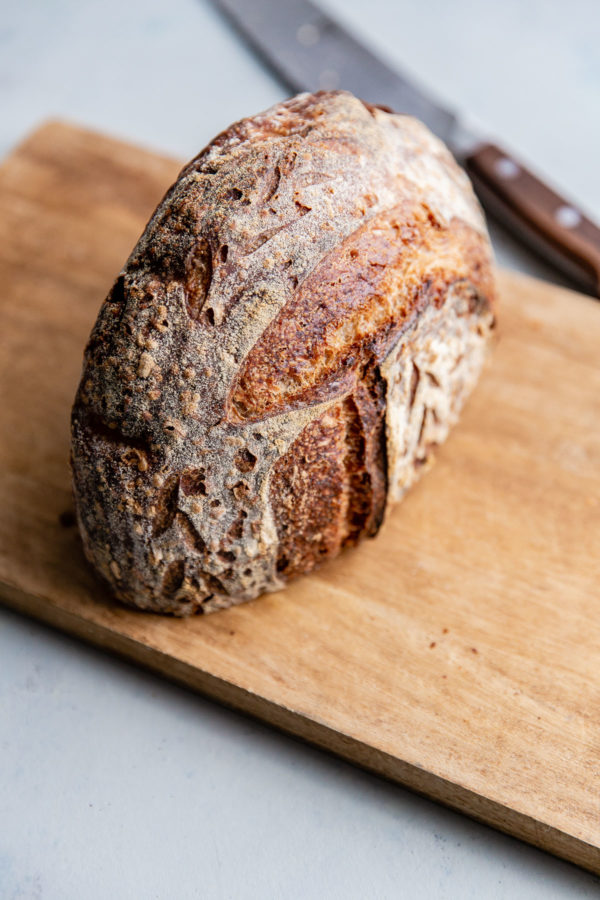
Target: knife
309,51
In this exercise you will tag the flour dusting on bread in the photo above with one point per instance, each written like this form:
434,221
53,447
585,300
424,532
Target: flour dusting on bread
295,331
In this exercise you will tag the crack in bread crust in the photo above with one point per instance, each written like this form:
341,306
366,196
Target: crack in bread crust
252,357
359,295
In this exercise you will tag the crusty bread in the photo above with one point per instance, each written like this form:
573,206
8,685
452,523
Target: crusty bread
296,329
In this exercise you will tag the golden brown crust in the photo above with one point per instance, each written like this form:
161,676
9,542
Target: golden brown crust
352,307
329,489
249,403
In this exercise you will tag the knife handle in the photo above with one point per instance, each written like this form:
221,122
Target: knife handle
549,223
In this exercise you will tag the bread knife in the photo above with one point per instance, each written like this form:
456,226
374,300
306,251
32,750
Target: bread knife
309,51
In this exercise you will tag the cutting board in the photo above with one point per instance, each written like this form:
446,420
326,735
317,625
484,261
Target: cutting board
457,653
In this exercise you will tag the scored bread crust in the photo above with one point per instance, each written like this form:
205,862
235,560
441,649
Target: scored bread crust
297,327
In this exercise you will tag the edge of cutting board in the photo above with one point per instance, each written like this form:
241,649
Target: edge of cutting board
455,796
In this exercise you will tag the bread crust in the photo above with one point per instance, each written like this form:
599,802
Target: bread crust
298,325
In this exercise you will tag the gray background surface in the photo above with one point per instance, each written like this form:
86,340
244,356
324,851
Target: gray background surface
112,782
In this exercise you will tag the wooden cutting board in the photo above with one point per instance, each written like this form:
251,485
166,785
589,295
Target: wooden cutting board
459,652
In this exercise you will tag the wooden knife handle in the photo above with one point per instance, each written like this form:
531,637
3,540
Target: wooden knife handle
548,222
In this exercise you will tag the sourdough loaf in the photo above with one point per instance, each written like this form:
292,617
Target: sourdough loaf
295,331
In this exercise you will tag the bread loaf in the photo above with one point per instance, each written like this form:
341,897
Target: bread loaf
296,330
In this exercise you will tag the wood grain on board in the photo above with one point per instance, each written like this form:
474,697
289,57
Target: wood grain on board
457,653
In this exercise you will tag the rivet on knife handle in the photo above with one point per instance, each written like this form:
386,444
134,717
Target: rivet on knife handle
520,200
